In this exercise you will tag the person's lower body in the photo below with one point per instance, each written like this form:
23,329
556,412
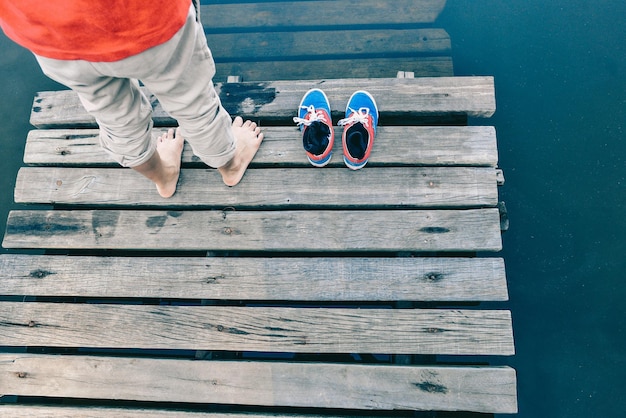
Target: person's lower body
179,73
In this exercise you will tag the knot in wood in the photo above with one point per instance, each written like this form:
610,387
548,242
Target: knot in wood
228,231
21,375
214,279
32,324
433,277
39,274
434,330
59,182
431,387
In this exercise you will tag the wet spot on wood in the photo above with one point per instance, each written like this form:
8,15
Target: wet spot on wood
37,109
31,224
104,224
431,387
246,98
156,221
175,214
434,230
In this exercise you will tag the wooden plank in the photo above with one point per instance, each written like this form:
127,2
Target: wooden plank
390,187
283,46
321,230
355,67
277,100
228,17
235,328
85,411
479,389
395,145
270,279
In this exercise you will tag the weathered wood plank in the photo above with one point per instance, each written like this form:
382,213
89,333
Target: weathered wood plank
480,389
293,330
406,187
321,230
356,67
272,279
228,17
61,411
264,45
395,145
277,100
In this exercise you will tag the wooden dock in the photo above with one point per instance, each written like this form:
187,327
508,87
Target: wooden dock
301,291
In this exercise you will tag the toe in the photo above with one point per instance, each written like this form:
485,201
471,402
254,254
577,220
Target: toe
238,121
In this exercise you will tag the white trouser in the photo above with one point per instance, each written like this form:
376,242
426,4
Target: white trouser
178,72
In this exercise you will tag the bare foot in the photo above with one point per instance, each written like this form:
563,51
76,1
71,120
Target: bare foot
169,148
248,138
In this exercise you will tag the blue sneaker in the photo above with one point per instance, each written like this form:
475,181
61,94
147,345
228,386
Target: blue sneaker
359,129
315,123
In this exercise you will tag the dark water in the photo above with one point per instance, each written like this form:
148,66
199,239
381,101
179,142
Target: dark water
560,78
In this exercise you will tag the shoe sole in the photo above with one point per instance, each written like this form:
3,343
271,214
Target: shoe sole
320,164
352,166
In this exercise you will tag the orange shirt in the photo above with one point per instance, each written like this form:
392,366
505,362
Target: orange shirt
91,30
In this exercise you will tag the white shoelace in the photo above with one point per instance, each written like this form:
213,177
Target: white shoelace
315,116
360,115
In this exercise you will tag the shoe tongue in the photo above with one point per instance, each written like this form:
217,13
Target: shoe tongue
356,141
315,138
